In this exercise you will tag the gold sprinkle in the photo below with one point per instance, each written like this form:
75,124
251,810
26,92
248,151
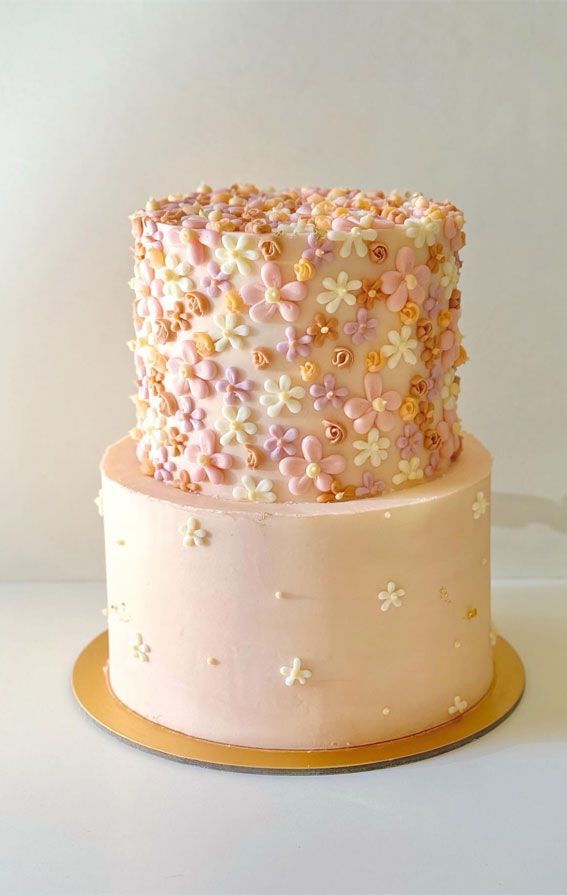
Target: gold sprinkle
472,613
121,542
386,710
212,661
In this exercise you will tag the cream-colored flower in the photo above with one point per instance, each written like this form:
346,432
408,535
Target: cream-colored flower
357,238
449,276
235,425
233,332
237,253
392,596
480,505
450,390
281,394
256,492
410,471
423,231
339,290
375,449
175,276
295,673
140,650
400,348
99,503
458,707
192,534
154,427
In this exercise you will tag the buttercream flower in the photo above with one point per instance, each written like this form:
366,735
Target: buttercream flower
334,432
374,362
363,329
233,387
377,409
280,395
309,370
449,347
237,253
323,328
327,393
409,471
320,251
281,442
410,441
400,348
205,462
409,408
448,276
374,449
270,248
204,344
192,534
453,230
149,307
424,416
260,358
175,277
480,505
163,466
351,237
419,386
369,487
458,707
431,468
179,317
304,270
294,346
189,416
408,281
342,358
377,252
235,424
450,390
449,430
198,304
256,492
190,373
370,293
392,596
436,257
194,236
409,312
312,469
423,231
154,427
272,294
337,291
233,332
215,281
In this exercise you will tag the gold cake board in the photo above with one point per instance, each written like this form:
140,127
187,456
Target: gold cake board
93,692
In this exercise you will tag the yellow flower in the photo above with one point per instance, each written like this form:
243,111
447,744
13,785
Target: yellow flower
444,319
204,344
409,408
410,312
374,361
233,301
304,270
156,258
309,370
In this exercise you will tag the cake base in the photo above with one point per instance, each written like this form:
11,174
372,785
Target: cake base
91,688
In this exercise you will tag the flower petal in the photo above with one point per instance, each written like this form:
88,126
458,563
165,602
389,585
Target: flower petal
262,312
271,275
312,450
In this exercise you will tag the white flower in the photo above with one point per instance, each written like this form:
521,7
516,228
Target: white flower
99,504
401,346
192,533
235,425
374,449
295,673
392,596
410,471
449,276
280,394
154,427
256,492
356,237
423,231
144,344
140,650
237,252
459,705
232,331
175,276
480,505
341,289
450,390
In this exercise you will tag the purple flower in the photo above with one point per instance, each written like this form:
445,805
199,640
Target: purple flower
294,347
233,388
189,416
163,467
215,281
319,251
327,393
370,487
363,329
281,442
431,303
410,441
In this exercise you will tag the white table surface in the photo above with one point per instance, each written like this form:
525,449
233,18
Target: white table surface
85,814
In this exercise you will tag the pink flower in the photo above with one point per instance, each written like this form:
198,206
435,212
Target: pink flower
327,393
431,467
215,281
205,462
233,388
407,282
149,307
271,295
189,416
452,232
370,486
362,329
448,342
377,409
191,374
433,300
281,442
312,469
449,438
410,441
194,237
319,251
293,346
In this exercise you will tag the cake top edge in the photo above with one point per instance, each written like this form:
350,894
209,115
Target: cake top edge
245,208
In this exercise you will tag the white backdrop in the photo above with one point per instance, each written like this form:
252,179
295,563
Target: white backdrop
104,104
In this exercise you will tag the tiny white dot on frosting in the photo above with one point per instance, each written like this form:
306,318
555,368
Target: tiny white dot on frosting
457,644
386,710
387,514
278,595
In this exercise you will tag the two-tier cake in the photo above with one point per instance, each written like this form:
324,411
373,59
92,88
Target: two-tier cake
297,531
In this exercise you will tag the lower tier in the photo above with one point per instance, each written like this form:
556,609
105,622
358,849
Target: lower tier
300,626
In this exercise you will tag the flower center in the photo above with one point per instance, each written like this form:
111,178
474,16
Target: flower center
272,295
203,460
411,281
325,330
319,253
372,293
355,231
379,405
329,395
186,371
313,470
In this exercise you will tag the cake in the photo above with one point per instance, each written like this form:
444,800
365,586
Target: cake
297,530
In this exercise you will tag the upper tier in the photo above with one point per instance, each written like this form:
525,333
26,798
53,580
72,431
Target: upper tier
299,345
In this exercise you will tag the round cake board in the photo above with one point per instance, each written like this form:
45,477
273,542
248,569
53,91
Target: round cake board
92,690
